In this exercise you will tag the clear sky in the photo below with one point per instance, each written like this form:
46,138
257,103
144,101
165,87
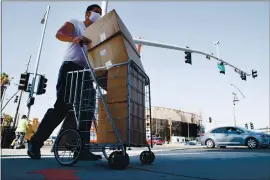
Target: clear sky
241,27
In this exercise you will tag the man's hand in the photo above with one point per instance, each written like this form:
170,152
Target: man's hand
81,39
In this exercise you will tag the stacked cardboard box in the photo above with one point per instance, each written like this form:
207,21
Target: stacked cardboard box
113,44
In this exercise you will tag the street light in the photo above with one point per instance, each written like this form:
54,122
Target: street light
31,99
217,44
235,99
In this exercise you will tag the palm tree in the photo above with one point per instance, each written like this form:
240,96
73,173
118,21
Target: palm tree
3,82
7,120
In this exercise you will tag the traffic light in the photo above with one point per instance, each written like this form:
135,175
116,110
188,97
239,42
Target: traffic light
246,125
41,89
243,76
188,57
23,81
221,68
251,125
29,88
254,73
210,120
16,99
30,102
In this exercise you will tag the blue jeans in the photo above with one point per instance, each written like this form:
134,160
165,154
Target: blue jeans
54,116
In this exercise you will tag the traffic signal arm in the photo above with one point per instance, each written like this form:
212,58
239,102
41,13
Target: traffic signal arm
174,47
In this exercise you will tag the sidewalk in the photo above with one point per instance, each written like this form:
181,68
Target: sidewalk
182,146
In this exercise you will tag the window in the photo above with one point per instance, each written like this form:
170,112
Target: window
218,130
233,130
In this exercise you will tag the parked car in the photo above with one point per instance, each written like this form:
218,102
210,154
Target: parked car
156,141
233,136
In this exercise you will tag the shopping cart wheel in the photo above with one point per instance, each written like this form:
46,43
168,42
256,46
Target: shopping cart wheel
118,161
107,151
147,157
68,143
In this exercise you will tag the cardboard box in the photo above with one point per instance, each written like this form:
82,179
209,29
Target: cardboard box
114,51
106,27
119,113
117,85
111,42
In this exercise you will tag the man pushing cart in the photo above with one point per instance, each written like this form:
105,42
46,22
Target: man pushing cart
110,88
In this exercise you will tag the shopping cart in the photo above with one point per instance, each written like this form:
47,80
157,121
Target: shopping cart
116,100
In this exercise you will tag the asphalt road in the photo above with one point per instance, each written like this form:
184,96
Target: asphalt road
171,163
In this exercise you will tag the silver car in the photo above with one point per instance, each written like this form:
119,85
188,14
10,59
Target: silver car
233,136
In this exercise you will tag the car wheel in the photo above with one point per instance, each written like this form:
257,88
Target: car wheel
210,143
252,143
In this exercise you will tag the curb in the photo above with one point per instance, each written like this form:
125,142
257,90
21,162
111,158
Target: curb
187,148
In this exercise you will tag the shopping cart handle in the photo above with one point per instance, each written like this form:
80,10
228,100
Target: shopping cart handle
84,40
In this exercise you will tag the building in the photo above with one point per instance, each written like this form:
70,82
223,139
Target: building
183,124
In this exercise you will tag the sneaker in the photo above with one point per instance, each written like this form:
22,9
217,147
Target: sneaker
88,156
33,153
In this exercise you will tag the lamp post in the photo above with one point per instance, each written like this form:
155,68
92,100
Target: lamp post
235,99
31,98
104,7
217,45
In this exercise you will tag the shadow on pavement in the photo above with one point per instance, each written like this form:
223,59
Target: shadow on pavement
171,166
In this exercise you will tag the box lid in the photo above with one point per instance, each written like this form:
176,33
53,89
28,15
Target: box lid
107,26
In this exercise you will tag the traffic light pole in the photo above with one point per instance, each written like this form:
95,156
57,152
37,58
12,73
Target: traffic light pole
174,47
10,99
19,103
31,98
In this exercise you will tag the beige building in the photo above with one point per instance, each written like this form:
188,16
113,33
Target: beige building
185,124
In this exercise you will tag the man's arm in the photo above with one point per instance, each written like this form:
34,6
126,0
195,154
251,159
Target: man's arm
65,33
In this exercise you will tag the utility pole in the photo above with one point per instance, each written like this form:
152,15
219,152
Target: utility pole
18,106
170,123
188,131
156,127
31,99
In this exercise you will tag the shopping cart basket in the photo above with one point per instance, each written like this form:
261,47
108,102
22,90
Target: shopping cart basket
116,100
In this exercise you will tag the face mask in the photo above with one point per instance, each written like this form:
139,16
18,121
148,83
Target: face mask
94,16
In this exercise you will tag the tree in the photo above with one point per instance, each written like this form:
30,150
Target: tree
7,119
3,82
